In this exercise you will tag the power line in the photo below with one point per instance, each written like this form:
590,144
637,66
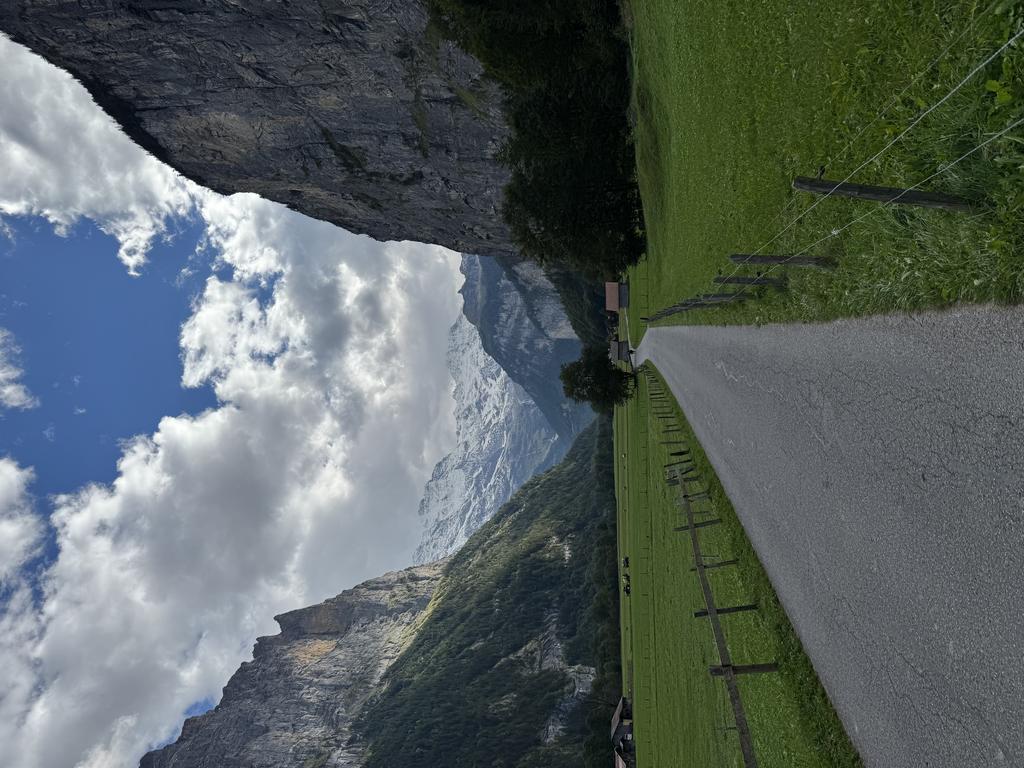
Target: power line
896,99
943,169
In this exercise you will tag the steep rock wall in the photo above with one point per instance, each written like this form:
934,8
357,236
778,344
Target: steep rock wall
356,112
294,704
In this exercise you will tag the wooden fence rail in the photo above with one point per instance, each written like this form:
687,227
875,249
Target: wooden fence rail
680,476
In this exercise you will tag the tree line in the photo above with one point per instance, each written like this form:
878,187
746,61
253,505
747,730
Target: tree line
572,201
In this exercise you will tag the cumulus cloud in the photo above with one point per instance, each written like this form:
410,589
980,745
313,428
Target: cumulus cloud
20,529
64,159
13,393
327,354
21,534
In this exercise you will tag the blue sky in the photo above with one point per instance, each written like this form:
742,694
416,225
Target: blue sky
99,346
201,399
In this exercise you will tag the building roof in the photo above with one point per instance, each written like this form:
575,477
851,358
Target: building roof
617,717
618,351
611,297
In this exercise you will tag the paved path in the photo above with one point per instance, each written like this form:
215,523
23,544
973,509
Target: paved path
878,467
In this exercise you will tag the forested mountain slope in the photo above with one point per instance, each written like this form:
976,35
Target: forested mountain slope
503,668
506,653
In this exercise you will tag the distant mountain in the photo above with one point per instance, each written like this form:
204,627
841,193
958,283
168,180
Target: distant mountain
523,326
496,652
512,418
503,441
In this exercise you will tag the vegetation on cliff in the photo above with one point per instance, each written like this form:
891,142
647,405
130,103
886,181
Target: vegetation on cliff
573,203
497,673
573,198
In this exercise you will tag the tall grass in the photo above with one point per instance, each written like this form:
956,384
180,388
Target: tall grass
733,100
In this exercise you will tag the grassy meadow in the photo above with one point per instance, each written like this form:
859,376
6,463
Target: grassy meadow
682,714
734,98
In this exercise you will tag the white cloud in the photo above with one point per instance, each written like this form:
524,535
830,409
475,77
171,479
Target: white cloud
20,529
327,355
13,393
21,534
64,159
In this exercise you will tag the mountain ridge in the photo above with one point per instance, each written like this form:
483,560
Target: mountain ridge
443,659
317,673
503,439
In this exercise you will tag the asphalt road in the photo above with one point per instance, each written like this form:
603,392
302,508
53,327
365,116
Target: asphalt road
878,467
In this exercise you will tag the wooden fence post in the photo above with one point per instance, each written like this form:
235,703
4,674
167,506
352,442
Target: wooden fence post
789,261
701,524
719,564
744,669
774,282
732,609
891,195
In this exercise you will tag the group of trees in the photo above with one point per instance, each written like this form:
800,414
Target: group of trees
573,198
573,201
594,378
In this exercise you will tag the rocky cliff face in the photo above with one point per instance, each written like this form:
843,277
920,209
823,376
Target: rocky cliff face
496,643
503,440
356,112
524,328
294,704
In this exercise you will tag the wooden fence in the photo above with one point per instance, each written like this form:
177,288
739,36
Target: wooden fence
695,501
748,284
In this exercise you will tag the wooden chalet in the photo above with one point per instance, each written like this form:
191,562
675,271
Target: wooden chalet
616,296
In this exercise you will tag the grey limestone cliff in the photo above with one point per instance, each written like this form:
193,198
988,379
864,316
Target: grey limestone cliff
295,703
356,112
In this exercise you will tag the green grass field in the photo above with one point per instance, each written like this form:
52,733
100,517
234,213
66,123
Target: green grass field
734,98
682,714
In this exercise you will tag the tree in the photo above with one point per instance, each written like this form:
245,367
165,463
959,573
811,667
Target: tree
595,379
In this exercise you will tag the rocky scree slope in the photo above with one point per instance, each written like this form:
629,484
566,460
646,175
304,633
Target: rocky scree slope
357,112
501,662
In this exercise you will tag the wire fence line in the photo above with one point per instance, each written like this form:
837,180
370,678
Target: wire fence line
916,122
895,199
696,302
896,99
